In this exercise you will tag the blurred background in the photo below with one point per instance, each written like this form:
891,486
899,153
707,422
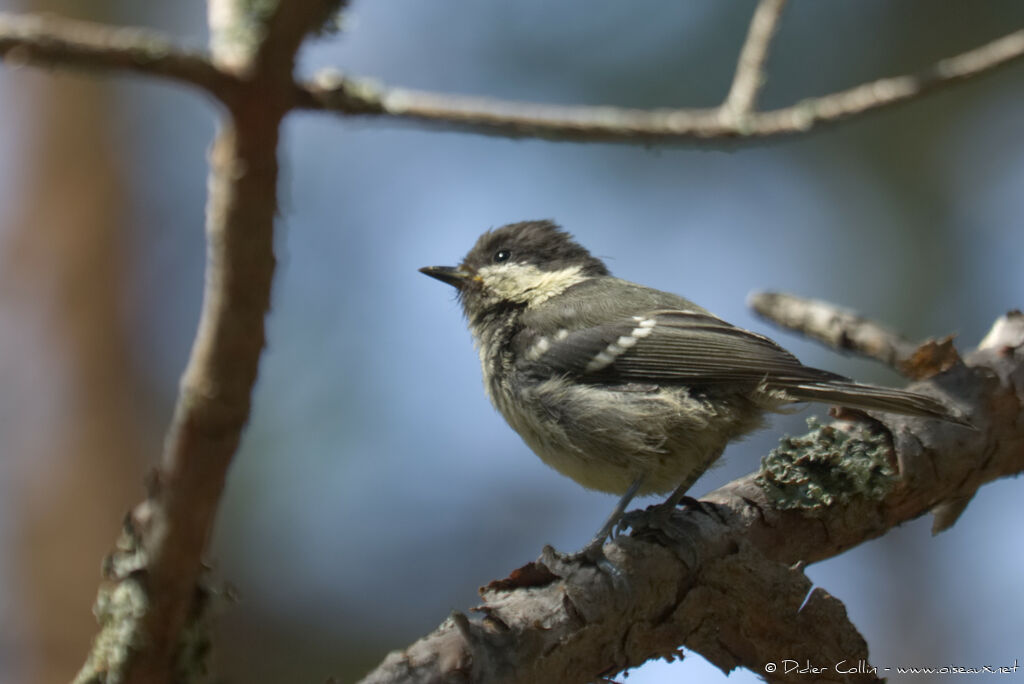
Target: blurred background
376,489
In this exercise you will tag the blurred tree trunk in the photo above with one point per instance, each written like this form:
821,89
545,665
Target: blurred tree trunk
77,470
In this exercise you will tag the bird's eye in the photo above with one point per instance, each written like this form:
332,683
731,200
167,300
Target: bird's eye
502,255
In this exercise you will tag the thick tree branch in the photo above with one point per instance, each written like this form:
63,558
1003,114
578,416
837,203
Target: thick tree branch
45,40
150,610
700,580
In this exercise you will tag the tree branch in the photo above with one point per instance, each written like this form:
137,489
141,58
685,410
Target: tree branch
250,38
291,22
835,327
154,602
332,91
846,331
749,77
704,579
62,42
54,41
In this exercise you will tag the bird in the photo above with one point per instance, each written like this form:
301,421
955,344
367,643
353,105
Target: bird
624,388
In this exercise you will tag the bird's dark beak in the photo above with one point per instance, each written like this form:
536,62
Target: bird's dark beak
455,277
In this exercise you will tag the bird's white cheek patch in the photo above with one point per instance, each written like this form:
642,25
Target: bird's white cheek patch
527,284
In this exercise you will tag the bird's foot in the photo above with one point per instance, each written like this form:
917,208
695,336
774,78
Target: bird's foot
660,524
592,554
662,512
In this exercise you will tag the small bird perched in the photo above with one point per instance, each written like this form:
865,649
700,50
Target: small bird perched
624,388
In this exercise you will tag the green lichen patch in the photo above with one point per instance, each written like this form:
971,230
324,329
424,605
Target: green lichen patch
826,466
122,606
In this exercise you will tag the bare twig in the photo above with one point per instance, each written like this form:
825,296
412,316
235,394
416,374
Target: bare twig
683,583
834,326
55,41
52,41
334,92
749,77
845,330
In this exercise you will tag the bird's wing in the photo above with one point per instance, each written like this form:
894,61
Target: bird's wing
667,346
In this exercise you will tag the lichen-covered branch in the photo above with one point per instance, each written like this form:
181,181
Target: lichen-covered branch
710,578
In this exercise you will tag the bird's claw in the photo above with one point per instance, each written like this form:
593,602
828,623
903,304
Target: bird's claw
661,514
592,554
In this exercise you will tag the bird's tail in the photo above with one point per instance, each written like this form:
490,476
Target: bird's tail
872,398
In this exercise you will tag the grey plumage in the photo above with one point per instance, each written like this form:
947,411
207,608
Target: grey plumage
625,388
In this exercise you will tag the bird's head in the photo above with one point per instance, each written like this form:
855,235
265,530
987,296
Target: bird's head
520,264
